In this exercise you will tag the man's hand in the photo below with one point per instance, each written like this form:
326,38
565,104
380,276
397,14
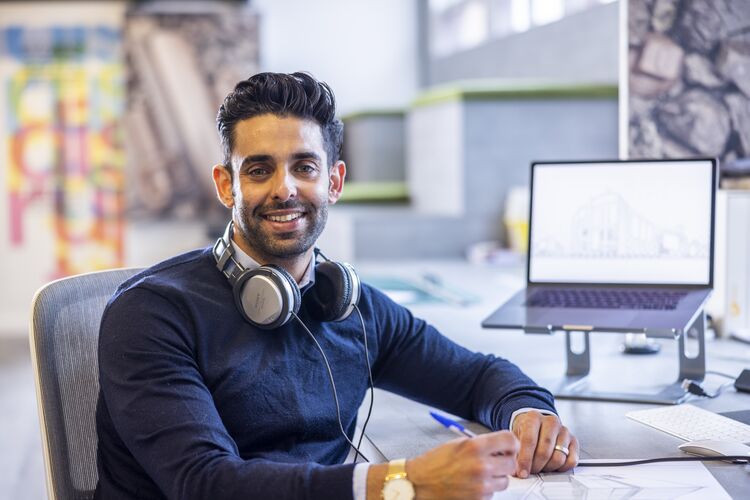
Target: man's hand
539,434
465,468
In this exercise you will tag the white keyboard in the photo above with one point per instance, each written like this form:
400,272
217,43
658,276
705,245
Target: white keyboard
691,423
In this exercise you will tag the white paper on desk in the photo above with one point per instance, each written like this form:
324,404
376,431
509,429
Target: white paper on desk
665,481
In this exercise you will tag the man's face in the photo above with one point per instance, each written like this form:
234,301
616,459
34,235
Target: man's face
281,186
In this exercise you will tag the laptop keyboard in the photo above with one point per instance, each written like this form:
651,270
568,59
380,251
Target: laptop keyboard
606,299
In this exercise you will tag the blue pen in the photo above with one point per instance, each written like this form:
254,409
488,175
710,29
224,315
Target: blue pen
452,425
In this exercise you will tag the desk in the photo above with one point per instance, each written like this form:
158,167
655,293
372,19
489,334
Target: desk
400,427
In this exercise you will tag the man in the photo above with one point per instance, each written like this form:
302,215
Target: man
200,401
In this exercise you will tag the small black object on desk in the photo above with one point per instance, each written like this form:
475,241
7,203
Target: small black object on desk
742,383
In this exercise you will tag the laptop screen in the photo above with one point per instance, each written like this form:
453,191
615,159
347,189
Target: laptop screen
622,222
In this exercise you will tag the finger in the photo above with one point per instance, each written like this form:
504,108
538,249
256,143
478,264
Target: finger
497,443
573,456
497,484
546,442
487,488
527,432
502,465
558,457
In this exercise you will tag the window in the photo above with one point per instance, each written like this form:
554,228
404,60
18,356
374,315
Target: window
456,25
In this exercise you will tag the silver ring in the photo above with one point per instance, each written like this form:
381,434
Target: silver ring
562,449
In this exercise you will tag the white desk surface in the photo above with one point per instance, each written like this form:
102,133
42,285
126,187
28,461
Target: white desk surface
403,428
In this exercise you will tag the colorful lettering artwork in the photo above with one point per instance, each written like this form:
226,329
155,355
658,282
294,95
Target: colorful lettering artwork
65,155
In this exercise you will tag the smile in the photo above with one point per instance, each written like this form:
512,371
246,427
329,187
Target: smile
284,218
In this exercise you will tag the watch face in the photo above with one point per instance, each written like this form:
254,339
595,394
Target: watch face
398,489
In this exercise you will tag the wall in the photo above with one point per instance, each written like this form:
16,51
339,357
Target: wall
61,158
467,148
374,147
366,51
69,201
563,50
688,85
182,59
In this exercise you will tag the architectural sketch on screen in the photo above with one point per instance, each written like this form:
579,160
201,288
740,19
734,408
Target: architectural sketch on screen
688,79
637,236
181,63
587,220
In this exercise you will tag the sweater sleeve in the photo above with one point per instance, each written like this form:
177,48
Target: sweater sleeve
418,362
164,413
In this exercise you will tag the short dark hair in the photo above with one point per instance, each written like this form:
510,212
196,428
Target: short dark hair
296,94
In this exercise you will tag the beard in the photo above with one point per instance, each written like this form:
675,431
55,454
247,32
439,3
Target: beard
273,245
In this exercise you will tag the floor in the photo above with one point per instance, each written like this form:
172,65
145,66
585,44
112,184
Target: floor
21,465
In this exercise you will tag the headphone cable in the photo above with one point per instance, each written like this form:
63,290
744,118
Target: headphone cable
369,375
333,386
369,368
735,459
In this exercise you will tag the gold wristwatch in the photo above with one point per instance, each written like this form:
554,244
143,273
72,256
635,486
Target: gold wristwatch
396,485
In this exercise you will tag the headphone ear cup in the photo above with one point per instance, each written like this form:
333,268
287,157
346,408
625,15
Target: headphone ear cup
283,274
335,293
266,296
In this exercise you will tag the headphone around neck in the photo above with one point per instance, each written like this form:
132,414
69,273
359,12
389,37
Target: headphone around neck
268,296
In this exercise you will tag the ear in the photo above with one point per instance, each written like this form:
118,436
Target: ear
336,181
223,182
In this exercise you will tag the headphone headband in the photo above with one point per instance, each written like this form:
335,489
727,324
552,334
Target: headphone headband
224,254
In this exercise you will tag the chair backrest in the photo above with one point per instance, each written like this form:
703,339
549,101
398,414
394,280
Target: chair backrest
64,332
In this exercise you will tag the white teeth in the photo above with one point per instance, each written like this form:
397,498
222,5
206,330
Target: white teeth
284,218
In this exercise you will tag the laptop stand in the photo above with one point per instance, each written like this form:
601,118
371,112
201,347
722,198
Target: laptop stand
575,384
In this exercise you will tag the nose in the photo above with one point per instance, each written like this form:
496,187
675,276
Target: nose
284,185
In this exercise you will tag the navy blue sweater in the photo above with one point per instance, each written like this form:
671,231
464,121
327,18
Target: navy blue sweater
196,403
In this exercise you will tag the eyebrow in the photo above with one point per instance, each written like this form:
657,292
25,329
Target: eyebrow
303,155
306,155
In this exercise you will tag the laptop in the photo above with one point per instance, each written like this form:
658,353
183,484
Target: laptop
616,246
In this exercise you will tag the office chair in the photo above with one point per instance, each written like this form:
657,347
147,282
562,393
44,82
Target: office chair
64,332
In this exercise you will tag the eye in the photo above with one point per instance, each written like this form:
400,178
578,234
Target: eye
306,168
257,171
